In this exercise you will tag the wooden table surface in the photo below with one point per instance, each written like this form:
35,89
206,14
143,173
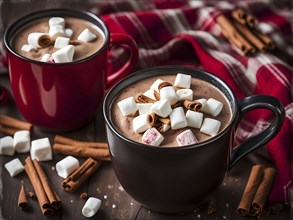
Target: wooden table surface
116,203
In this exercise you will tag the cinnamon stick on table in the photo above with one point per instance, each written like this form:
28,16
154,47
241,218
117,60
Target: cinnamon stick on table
22,201
6,130
80,175
11,122
68,141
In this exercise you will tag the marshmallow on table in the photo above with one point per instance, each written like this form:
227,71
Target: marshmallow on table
67,166
61,42
57,21
150,93
56,31
184,94
182,81
6,146
186,138
169,93
141,123
194,119
127,106
144,108
21,141
210,126
28,48
152,137
86,35
14,167
155,85
162,108
64,54
213,107
41,150
177,118
91,207
68,32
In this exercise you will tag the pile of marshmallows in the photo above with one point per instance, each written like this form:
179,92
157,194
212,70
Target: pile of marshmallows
60,36
169,96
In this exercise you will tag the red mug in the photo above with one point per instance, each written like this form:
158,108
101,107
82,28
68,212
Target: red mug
64,96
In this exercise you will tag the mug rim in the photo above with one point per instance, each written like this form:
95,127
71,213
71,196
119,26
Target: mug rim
107,103
46,13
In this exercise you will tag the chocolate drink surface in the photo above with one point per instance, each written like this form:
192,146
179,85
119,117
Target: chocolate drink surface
77,25
200,88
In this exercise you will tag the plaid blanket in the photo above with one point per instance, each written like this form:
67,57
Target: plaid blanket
186,33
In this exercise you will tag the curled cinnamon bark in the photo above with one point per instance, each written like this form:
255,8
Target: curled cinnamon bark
192,105
22,201
152,119
164,84
45,41
165,120
6,130
10,122
69,141
144,99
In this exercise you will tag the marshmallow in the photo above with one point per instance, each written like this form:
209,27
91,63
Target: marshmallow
28,48
35,39
184,94
144,108
61,42
64,54
6,146
155,85
213,107
151,94
56,21
14,167
91,207
186,138
210,126
127,106
177,118
141,123
169,93
67,166
86,36
46,57
202,101
21,141
68,32
152,137
162,108
56,31
165,127
194,119
41,150
182,81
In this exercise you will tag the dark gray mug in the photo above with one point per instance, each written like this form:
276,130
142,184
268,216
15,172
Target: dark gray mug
177,179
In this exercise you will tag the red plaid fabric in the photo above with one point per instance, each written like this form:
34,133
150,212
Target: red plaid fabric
186,33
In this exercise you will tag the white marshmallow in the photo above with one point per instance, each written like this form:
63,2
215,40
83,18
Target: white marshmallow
186,138
14,167
67,166
127,106
169,93
140,123
182,81
64,54
152,137
177,118
56,31
6,146
46,57
61,42
68,32
28,48
151,94
210,126
162,108
21,141
33,39
184,94
144,108
41,150
213,107
155,85
202,101
91,207
86,35
194,119
56,21
165,127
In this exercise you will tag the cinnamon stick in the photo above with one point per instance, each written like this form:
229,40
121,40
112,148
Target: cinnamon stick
266,39
152,119
192,105
22,201
68,141
144,99
6,130
81,174
11,122
250,190
239,15
77,151
164,84
264,188
165,120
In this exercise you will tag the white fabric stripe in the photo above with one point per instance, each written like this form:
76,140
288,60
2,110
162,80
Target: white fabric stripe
206,37
175,21
183,19
205,18
289,112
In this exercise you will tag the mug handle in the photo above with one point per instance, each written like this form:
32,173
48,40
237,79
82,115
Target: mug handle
257,102
125,41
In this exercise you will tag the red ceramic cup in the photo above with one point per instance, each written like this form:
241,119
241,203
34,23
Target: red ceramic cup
64,96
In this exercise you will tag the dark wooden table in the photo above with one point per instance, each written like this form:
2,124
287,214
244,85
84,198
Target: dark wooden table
116,203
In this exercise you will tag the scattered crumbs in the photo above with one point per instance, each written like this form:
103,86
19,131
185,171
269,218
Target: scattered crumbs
120,188
224,184
98,190
71,200
110,186
53,168
21,181
105,196
83,195
237,179
198,216
224,217
31,195
211,210
227,205
113,206
149,211
131,203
